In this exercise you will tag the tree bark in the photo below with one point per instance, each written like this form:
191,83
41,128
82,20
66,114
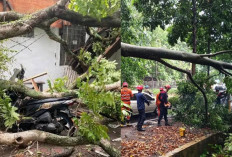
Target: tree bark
107,147
25,25
194,33
26,137
20,88
156,53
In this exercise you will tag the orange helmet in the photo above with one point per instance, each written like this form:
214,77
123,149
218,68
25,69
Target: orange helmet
139,87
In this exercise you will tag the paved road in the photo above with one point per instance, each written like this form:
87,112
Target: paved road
149,116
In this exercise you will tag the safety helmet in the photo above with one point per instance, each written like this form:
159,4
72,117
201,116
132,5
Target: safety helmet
125,84
139,87
146,86
161,88
167,87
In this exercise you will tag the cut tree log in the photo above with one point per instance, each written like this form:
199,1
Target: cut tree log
25,138
107,147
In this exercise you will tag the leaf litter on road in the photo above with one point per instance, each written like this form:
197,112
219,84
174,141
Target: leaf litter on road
156,141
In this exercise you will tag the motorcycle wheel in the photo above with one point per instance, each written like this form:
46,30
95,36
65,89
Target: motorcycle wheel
66,123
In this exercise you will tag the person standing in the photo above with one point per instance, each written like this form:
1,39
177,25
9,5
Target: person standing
158,101
163,96
126,95
141,107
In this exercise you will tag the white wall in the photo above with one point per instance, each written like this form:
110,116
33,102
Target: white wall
42,55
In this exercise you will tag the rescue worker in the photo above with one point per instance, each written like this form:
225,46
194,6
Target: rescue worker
141,107
158,101
147,90
163,108
126,95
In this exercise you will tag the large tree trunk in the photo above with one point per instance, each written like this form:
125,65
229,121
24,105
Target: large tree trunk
20,88
58,10
25,138
156,53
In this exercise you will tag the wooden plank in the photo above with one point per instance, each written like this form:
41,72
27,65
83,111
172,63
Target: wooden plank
34,85
42,74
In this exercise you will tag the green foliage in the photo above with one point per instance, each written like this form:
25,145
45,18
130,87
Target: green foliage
97,47
7,112
213,26
58,85
228,82
124,111
90,129
190,107
174,101
98,9
85,56
97,98
220,151
4,58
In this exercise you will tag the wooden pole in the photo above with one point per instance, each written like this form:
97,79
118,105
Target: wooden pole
42,74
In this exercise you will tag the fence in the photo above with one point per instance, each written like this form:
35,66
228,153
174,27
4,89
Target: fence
158,84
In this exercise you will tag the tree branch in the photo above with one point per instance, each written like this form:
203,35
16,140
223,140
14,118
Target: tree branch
154,53
215,54
20,88
24,138
77,18
25,23
10,16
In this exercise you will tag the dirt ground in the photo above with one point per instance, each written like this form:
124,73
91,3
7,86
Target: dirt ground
156,141
46,150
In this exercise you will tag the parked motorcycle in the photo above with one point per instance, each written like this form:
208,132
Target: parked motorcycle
50,115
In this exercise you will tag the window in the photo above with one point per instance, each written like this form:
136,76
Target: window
74,35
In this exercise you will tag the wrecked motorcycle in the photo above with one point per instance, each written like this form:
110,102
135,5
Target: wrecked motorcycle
50,115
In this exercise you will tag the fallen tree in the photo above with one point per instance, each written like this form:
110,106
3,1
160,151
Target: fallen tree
26,137
158,54
14,24
153,53
23,23
20,88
